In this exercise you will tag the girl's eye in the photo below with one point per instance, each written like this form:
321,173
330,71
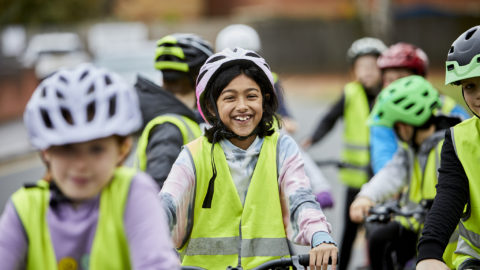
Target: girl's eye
228,98
96,149
252,96
469,86
63,150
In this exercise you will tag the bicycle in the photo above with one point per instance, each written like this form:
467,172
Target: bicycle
384,214
296,261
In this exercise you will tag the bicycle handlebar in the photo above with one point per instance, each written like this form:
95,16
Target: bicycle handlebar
336,163
297,261
385,212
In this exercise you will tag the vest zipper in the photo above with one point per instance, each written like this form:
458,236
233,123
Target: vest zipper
239,266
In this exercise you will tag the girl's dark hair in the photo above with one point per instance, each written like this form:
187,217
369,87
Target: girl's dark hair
221,80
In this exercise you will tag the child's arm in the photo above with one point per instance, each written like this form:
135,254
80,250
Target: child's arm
147,228
390,179
13,241
177,196
302,215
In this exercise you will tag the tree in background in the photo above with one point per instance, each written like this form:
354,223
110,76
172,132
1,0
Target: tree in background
36,12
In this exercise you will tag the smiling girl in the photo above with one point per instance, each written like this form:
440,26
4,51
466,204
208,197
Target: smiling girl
92,213
238,195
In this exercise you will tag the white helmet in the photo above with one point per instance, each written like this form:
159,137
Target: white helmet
80,105
364,46
217,62
238,35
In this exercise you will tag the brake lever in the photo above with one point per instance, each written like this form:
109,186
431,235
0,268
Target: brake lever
296,263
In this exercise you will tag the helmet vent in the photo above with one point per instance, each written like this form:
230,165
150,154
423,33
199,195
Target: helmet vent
66,115
59,95
199,78
84,74
91,89
452,49
450,67
425,94
380,114
215,59
478,59
470,34
108,81
90,111
63,79
399,100
112,106
409,106
420,111
46,118
44,92
267,65
252,54
434,104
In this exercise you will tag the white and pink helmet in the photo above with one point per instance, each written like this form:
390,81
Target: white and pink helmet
79,105
220,61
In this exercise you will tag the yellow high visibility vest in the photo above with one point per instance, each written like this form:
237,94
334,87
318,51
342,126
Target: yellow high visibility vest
190,130
356,138
109,248
229,232
466,136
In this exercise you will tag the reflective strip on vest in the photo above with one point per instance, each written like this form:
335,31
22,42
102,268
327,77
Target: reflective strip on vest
355,136
229,245
189,129
465,137
109,248
228,230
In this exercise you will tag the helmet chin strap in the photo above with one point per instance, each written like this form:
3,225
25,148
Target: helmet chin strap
413,143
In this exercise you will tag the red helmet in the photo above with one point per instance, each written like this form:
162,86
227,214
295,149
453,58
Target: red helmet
404,55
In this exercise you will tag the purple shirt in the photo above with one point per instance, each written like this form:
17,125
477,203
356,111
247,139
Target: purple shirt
72,230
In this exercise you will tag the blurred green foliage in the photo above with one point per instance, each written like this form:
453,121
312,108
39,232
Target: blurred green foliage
44,12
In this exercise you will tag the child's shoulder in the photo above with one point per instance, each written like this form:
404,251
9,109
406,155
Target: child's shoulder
143,180
287,145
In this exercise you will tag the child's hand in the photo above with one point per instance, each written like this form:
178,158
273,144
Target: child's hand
359,209
431,264
320,255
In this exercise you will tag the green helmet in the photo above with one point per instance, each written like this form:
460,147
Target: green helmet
463,60
411,100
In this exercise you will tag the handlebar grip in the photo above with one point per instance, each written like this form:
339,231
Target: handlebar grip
304,259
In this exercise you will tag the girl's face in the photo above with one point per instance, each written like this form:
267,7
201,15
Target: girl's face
471,93
240,106
81,170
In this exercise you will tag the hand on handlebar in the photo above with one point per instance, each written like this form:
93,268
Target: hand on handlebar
359,209
320,255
